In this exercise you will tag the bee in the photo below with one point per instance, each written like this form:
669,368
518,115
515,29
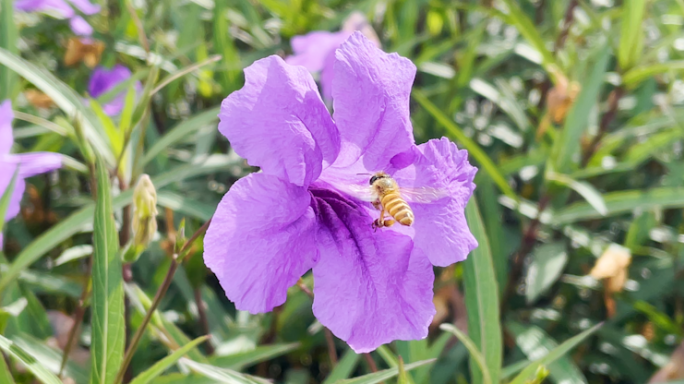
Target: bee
388,200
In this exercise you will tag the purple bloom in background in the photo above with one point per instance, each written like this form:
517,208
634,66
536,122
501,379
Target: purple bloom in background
30,164
103,79
300,212
63,9
316,51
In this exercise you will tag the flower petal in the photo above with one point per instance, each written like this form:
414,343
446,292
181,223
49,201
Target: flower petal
86,6
58,6
35,163
80,27
6,117
316,52
261,241
369,287
278,122
103,79
440,226
371,91
7,169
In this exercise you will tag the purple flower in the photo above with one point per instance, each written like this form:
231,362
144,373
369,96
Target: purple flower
316,50
30,164
63,9
301,211
103,79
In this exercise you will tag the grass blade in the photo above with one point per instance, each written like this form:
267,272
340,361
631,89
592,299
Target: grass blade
5,199
472,349
568,142
379,376
474,150
241,360
554,355
181,131
344,368
64,97
631,36
108,333
482,298
527,28
158,368
586,190
38,370
8,41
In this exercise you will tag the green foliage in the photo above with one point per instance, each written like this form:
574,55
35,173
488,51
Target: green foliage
492,75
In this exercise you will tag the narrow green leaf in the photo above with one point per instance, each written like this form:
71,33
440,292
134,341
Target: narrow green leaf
159,367
483,373
553,355
403,376
223,375
81,218
567,144
5,374
181,131
548,261
5,199
64,97
8,41
231,68
51,358
527,28
379,376
622,202
31,363
113,134
108,333
391,359
631,36
636,75
586,190
492,215
474,150
261,353
145,96
482,298
344,368
507,104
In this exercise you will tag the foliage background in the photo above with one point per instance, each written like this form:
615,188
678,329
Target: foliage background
609,171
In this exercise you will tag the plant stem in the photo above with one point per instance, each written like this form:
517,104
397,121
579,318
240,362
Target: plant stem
204,323
613,102
78,318
175,263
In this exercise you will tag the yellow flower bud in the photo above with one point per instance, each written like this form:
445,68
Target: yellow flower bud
144,213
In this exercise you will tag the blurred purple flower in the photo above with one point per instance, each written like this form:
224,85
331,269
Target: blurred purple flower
316,51
103,79
299,213
63,9
30,164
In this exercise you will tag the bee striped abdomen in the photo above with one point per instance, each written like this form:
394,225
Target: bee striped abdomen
397,208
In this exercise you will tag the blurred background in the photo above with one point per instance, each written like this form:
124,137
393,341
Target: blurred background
573,111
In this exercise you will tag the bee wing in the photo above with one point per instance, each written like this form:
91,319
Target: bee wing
423,194
364,193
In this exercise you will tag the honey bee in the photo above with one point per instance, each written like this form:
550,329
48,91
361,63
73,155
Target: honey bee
388,200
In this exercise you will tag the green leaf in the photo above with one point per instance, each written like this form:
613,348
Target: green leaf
527,28
631,36
223,375
622,202
474,150
344,368
391,359
51,358
113,134
636,75
586,190
181,131
108,332
184,205
159,367
482,298
553,354
5,374
30,362
548,261
8,41
507,104
379,376
5,199
567,144
261,353
64,97
483,372
231,69
403,376
79,219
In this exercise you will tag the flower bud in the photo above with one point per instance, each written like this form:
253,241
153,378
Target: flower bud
144,217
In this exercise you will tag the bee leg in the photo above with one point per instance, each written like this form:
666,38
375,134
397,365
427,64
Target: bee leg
389,223
377,204
379,222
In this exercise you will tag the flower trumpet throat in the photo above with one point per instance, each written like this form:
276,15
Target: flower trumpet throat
372,285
